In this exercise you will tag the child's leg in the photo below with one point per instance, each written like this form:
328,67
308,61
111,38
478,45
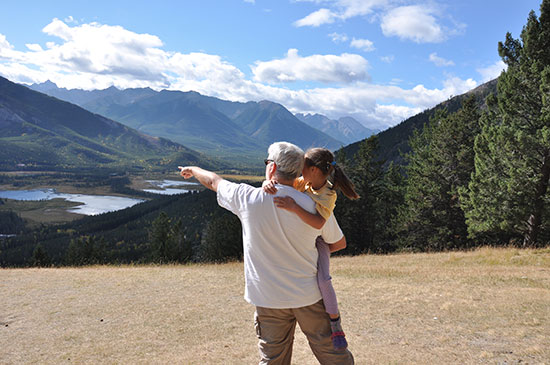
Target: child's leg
329,296
324,280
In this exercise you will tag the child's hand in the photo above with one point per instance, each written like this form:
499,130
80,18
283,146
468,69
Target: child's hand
269,186
285,202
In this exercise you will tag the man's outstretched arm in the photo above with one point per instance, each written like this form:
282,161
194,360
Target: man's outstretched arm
207,178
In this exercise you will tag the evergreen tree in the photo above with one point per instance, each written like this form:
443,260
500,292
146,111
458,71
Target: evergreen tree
10,223
508,194
86,250
439,165
40,257
362,219
167,241
222,239
394,197
160,238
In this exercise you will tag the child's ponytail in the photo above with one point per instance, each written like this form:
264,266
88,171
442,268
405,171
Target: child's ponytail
323,159
341,181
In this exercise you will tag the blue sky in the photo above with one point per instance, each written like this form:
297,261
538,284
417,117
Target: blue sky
379,61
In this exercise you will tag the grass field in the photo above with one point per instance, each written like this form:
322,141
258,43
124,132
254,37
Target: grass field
489,306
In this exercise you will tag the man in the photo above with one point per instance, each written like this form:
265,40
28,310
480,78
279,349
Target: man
280,258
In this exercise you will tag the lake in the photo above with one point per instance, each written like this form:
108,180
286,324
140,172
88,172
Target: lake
170,187
91,204
98,204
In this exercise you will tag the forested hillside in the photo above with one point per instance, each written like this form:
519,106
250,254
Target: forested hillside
474,175
180,228
41,132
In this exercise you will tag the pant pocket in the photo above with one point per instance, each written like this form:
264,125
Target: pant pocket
257,326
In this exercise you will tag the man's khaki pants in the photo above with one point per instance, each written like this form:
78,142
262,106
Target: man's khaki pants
275,331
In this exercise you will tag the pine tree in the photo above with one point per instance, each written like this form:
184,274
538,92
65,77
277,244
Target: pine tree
439,165
40,257
167,241
361,219
508,195
222,239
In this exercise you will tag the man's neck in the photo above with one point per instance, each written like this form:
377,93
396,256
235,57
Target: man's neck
286,182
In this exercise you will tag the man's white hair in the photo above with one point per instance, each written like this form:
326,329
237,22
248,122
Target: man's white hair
289,159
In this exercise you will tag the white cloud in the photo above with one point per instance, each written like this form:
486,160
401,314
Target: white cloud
338,37
250,1
95,56
6,49
315,19
492,72
381,105
34,47
70,19
387,59
440,61
345,68
344,9
414,22
362,44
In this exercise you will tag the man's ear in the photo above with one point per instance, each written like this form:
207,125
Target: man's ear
272,168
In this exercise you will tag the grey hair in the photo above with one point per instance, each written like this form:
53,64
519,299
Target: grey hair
289,159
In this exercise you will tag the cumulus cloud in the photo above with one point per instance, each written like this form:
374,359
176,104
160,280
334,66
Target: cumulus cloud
381,105
96,56
440,61
34,47
492,72
315,19
343,9
387,59
413,22
345,68
338,37
362,44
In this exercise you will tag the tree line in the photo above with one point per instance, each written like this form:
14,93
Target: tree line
478,176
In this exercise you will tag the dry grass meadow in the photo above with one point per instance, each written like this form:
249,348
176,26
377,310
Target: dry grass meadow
489,306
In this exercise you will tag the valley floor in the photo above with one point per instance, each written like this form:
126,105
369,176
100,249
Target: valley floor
485,306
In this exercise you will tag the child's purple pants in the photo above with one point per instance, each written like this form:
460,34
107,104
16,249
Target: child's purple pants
323,277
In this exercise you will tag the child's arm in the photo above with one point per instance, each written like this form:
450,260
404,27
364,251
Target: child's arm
286,202
269,186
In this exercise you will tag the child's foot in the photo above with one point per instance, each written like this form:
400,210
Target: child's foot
339,341
338,336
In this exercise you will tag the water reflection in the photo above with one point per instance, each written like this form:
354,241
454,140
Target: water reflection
169,187
91,204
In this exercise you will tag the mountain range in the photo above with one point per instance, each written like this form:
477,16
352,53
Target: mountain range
220,128
43,132
345,129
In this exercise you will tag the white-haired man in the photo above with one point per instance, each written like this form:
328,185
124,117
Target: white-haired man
280,258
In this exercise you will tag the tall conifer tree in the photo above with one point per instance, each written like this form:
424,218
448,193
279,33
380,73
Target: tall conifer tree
439,165
508,194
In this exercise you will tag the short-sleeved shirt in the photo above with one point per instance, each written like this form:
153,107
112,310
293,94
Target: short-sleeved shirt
325,197
280,257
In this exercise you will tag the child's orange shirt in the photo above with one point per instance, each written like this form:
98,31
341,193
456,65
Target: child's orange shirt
324,198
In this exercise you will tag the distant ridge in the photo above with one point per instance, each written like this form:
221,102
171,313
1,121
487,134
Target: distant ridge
394,142
345,129
214,126
41,132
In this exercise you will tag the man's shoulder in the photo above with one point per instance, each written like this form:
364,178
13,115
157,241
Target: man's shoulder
301,198
239,188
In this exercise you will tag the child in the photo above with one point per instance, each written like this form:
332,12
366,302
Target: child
319,165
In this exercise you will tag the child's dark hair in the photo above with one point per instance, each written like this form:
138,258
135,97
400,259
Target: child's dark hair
323,159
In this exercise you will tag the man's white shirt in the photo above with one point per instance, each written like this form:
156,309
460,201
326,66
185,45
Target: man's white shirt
280,257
